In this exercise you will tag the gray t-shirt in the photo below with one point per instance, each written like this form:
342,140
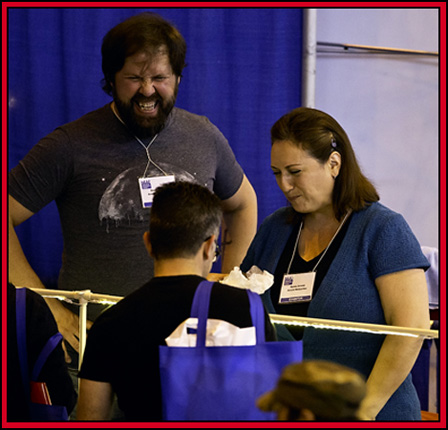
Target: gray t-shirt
90,167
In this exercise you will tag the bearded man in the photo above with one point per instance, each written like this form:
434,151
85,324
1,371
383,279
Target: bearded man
102,170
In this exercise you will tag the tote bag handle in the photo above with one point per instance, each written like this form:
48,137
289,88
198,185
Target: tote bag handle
200,308
21,338
257,314
48,348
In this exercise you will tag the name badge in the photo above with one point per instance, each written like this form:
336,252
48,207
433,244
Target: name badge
148,187
297,288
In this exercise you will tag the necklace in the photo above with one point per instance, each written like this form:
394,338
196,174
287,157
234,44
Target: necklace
326,249
145,147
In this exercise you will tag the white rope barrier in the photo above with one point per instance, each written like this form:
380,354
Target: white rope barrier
76,295
353,326
85,297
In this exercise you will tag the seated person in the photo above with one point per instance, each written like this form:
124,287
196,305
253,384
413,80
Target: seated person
40,326
316,390
122,350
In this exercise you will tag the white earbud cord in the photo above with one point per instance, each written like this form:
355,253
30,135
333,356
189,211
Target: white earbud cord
146,148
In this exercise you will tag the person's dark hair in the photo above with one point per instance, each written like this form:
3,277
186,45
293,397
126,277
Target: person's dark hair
331,391
319,134
183,216
144,32
295,415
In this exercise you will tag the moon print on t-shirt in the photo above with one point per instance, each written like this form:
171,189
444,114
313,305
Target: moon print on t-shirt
121,202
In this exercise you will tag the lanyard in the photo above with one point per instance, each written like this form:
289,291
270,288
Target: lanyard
146,148
326,249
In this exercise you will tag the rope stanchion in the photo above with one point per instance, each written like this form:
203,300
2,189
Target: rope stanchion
86,296
82,328
353,326
76,295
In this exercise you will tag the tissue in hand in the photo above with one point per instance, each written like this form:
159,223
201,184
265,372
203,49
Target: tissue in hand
256,280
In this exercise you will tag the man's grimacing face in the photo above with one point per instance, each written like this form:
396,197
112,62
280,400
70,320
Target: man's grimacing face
145,92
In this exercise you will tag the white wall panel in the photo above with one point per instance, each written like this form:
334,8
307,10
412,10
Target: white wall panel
388,105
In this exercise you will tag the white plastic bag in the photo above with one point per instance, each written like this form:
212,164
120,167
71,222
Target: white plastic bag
256,280
219,333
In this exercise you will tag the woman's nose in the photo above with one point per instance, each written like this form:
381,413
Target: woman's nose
285,183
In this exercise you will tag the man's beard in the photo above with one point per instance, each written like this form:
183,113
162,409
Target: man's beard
145,127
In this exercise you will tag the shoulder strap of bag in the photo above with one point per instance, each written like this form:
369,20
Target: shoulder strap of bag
199,309
21,338
48,348
257,314
51,344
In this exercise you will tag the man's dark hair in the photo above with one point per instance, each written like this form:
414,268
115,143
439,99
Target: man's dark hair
183,216
146,32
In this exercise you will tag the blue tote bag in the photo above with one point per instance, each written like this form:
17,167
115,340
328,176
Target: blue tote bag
38,411
222,383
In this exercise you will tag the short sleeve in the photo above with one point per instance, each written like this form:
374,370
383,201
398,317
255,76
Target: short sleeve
229,174
394,248
98,357
42,174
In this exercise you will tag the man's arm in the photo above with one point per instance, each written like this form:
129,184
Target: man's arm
20,271
240,225
94,401
21,274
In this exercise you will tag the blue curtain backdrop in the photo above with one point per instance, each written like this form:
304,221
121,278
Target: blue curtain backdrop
244,72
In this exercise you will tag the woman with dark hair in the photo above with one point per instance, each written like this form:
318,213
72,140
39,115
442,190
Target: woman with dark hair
337,253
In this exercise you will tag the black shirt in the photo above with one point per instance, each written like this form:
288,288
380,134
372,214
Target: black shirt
299,265
123,343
